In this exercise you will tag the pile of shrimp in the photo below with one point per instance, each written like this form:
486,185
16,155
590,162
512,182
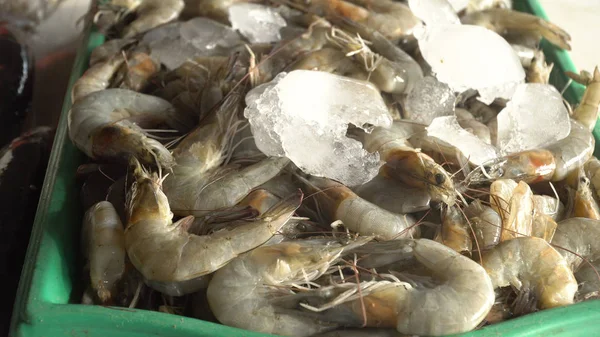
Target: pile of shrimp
186,216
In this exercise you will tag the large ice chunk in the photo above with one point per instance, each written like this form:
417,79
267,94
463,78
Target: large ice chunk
472,57
304,115
434,12
534,117
258,23
206,34
448,130
429,99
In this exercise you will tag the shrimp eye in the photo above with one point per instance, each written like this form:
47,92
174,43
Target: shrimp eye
440,178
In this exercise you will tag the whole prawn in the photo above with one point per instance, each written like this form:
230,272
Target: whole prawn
107,125
175,261
587,110
551,163
530,263
459,301
338,202
243,293
103,243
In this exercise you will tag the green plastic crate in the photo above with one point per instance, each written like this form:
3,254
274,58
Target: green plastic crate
50,287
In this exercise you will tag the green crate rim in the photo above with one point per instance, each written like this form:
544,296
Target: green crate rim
32,314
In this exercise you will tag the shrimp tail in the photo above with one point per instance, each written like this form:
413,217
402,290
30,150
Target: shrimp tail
554,34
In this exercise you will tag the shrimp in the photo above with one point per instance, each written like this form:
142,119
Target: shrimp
338,202
389,67
589,283
103,125
175,261
587,110
486,224
137,71
393,20
455,231
96,78
592,172
241,294
459,300
539,71
151,14
514,203
215,9
510,22
551,163
407,165
529,263
577,239
585,206
104,246
330,60
393,196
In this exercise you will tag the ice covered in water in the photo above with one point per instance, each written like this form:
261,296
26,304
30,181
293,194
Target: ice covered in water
448,130
429,99
434,12
535,116
472,57
304,115
258,23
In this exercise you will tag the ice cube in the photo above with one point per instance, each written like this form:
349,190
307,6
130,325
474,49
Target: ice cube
434,12
258,23
472,57
429,99
448,130
304,115
535,116
206,34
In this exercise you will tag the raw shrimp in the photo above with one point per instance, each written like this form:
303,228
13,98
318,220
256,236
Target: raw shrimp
551,163
241,293
108,49
214,9
151,14
406,164
175,261
137,71
539,71
531,264
393,20
589,283
460,299
104,125
104,246
592,171
455,231
511,22
330,60
587,110
514,203
577,239
389,67
337,202
546,212
585,206
486,224
393,196
96,78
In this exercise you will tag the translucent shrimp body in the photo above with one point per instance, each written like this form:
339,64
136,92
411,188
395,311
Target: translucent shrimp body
104,246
